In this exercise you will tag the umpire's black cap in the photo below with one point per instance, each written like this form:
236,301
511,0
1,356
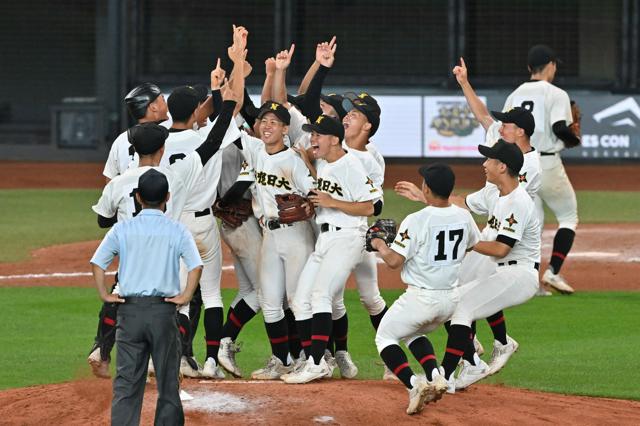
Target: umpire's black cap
367,105
509,153
325,125
153,186
277,109
335,101
439,177
519,116
140,97
147,138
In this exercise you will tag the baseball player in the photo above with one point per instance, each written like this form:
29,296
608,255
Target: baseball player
118,203
551,109
513,241
430,247
344,199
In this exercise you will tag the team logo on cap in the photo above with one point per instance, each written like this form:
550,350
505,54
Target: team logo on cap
523,178
274,106
319,120
511,220
363,95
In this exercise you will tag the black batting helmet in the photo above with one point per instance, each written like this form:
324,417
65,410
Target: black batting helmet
140,97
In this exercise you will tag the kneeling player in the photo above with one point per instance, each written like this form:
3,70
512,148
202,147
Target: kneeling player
430,247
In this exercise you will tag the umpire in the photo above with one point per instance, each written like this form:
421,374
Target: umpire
149,247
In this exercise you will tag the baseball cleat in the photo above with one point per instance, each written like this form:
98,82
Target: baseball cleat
151,371
470,374
331,363
557,282
542,291
211,370
309,372
298,364
451,381
99,366
418,395
187,369
478,346
348,370
388,374
437,387
227,356
501,354
273,370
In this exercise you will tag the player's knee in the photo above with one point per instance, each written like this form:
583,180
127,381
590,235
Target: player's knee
569,222
374,305
383,340
272,314
212,302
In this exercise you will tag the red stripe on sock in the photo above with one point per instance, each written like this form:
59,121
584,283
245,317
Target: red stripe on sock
213,342
320,337
305,343
496,322
558,254
182,330
235,320
427,358
109,321
400,368
277,340
341,338
455,351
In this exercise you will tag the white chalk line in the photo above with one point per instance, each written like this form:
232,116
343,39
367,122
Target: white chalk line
70,274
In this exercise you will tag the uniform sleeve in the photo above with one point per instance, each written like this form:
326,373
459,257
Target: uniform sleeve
512,224
474,232
188,250
478,201
250,146
295,126
560,109
533,184
111,166
508,104
107,205
361,186
188,169
406,242
493,133
107,250
302,179
232,134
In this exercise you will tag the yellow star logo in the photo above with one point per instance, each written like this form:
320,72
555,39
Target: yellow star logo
319,120
404,235
511,220
363,95
274,106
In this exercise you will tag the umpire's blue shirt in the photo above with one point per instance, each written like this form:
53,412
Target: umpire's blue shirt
150,247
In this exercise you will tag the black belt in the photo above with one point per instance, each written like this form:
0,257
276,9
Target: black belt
204,212
548,153
325,228
144,299
536,265
275,224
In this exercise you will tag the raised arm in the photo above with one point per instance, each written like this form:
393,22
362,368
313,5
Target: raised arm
283,60
313,69
267,87
478,108
217,77
325,56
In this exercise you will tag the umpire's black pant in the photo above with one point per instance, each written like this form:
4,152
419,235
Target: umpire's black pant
147,326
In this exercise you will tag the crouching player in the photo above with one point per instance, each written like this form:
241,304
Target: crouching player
430,247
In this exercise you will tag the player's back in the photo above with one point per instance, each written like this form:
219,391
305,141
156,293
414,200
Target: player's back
435,241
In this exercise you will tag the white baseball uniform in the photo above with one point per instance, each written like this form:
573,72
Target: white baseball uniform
285,248
549,104
340,245
433,242
515,279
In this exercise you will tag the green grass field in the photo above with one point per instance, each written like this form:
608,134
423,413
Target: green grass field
585,344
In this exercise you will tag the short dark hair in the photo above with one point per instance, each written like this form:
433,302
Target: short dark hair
512,173
538,68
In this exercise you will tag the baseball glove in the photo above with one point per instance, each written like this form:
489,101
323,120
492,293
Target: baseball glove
385,229
235,214
293,208
576,115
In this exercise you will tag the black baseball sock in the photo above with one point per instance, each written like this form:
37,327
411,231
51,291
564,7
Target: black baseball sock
195,308
375,319
470,348
295,346
331,347
320,332
304,329
395,359
498,326
184,326
237,317
456,345
562,243
213,330
106,333
340,332
277,332
422,349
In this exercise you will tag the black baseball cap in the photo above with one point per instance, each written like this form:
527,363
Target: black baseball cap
366,104
335,101
182,102
201,91
439,178
296,101
153,186
325,125
508,153
277,109
147,138
519,116
541,54
139,98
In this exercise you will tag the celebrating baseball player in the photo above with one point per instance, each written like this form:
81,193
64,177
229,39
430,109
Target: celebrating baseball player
430,248
556,129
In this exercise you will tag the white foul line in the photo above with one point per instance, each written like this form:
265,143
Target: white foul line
69,274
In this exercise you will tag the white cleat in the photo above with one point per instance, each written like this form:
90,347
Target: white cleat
418,395
557,282
470,374
542,291
151,371
211,370
348,370
388,374
187,370
309,372
227,356
478,346
273,370
184,396
451,381
501,354
297,365
331,363
437,387
99,367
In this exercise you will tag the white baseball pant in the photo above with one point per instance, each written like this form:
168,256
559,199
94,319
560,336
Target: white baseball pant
557,192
